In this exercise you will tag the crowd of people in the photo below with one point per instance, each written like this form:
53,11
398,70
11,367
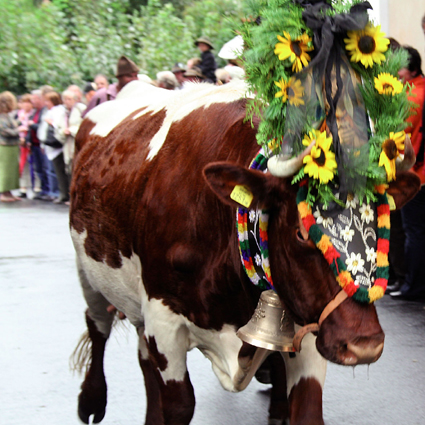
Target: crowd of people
37,129
37,133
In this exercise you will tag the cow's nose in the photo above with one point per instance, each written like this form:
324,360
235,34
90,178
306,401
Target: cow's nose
361,351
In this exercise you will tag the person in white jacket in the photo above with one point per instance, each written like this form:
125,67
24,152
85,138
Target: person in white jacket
68,125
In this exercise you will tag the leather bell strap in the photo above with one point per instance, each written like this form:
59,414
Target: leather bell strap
314,327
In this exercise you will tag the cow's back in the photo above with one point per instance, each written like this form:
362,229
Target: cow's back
138,191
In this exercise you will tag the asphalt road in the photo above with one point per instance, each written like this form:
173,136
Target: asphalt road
43,319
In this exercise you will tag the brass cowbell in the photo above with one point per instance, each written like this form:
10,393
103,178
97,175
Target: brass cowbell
269,327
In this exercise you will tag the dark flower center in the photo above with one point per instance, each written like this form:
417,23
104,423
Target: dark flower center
390,149
295,47
321,160
367,44
387,86
290,92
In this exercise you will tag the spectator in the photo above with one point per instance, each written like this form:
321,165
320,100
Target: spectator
166,80
178,71
89,91
67,126
413,212
25,168
208,64
223,77
101,82
54,148
126,71
38,157
77,91
192,63
9,148
231,51
194,75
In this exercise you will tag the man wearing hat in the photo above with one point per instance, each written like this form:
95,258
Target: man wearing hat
208,64
126,71
194,74
178,70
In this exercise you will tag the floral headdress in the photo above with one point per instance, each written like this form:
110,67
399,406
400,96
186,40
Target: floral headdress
320,69
325,79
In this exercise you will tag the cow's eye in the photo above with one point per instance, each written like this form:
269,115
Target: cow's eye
300,236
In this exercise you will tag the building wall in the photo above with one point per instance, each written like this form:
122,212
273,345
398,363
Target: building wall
401,19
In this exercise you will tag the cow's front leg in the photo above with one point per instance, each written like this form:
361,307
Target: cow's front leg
170,395
305,374
92,398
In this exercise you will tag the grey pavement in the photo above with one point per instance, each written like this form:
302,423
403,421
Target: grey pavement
43,318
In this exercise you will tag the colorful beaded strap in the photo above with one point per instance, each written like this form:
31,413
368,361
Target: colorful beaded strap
253,239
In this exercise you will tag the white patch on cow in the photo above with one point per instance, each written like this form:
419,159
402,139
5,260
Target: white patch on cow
121,287
135,95
308,363
174,334
178,104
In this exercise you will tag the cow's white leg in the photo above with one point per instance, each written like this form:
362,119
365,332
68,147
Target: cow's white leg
163,349
305,374
92,399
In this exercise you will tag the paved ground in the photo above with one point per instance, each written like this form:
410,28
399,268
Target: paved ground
43,318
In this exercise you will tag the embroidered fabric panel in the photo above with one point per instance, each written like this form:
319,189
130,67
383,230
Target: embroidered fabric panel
353,233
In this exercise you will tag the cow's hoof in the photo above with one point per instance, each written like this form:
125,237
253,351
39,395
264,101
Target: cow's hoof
88,406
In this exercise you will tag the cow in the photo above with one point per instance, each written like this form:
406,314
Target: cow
153,226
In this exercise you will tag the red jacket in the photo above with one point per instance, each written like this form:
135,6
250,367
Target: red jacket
417,95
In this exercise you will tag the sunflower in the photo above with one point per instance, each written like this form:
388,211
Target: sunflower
385,83
291,90
391,151
320,163
295,49
367,45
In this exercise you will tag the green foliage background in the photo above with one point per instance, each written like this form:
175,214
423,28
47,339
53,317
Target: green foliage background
62,42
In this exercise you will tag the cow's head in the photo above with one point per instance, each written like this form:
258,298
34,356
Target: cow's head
351,334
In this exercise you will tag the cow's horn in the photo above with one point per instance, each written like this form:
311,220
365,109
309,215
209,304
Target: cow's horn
281,166
406,163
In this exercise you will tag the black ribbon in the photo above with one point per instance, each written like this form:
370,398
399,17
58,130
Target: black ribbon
328,34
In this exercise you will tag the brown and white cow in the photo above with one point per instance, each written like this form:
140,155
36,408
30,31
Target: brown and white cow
153,239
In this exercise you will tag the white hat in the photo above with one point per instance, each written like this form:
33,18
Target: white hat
232,49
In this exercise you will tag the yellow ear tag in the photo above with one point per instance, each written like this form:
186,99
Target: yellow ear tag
391,202
242,195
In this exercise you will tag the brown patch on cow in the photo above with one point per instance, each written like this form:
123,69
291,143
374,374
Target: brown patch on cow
158,358
172,402
109,177
154,414
404,188
82,135
305,403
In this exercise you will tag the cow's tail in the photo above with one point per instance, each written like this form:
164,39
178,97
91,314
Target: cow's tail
80,359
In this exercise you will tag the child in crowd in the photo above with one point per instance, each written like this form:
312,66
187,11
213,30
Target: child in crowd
208,64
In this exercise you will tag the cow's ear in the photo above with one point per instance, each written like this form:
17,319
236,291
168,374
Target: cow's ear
239,186
404,188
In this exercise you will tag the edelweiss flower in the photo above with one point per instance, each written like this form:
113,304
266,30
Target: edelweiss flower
325,222
352,201
347,234
354,263
371,255
367,46
367,213
257,259
296,50
386,83
291,90
390,152
320,163
252,216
